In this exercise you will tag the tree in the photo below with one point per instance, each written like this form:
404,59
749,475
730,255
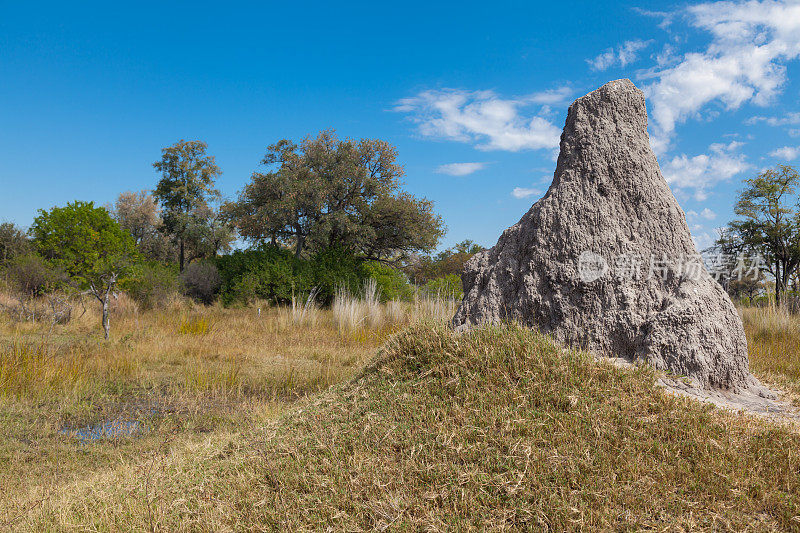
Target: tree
327,193
140,215
185,189
769,224
207,234
13,243
86,243
449,262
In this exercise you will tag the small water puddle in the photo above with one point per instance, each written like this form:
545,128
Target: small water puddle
107,429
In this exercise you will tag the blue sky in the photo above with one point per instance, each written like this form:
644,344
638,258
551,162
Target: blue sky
473,95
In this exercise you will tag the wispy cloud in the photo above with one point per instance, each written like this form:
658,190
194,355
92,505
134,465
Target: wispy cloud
695,175
485,119
460,169
622,55
524,192
786,120
744,62
706,213
787,153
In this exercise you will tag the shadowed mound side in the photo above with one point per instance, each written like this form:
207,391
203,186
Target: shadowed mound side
643,294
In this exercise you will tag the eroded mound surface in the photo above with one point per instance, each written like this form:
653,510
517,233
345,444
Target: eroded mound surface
605,260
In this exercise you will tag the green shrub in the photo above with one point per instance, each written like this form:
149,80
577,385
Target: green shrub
448,286
30,275
275,274
270,274
392,284
152,284
332,269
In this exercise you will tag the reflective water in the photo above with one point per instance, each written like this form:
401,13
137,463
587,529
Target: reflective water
107,429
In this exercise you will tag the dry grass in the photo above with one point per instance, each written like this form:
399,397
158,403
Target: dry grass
355,314
36,370
187,372
493,430
196,325
773,337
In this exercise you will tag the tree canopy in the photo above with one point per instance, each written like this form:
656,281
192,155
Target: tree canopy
185,192
329,193
140,214
769,223
88,245
449,262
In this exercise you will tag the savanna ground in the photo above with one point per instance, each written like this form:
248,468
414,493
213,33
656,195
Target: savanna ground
497,429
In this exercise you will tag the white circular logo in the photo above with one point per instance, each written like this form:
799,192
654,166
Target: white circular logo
591,266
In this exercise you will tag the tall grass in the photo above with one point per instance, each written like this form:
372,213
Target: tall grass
363,312
773,342
436,308
301,313
36,370
355,312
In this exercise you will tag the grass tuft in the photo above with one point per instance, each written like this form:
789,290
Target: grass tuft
197,326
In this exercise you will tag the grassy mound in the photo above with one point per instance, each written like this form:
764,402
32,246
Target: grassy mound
491,430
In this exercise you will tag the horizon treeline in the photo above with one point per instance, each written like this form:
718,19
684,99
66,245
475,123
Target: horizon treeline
318,216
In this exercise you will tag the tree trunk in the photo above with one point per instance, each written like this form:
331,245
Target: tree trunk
181,256
106,324
300,242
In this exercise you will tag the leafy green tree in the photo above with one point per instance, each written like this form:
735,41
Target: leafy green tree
185,190
447,286
207,234
391,283
88,245
769,223
327,193
449,262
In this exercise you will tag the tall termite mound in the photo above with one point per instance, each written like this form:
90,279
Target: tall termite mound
605,261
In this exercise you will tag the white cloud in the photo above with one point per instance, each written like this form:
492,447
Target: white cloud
549,97
708,214
460,169
787,152
524,192
666,17
744,62
703,171
788,119
484,119
623,55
